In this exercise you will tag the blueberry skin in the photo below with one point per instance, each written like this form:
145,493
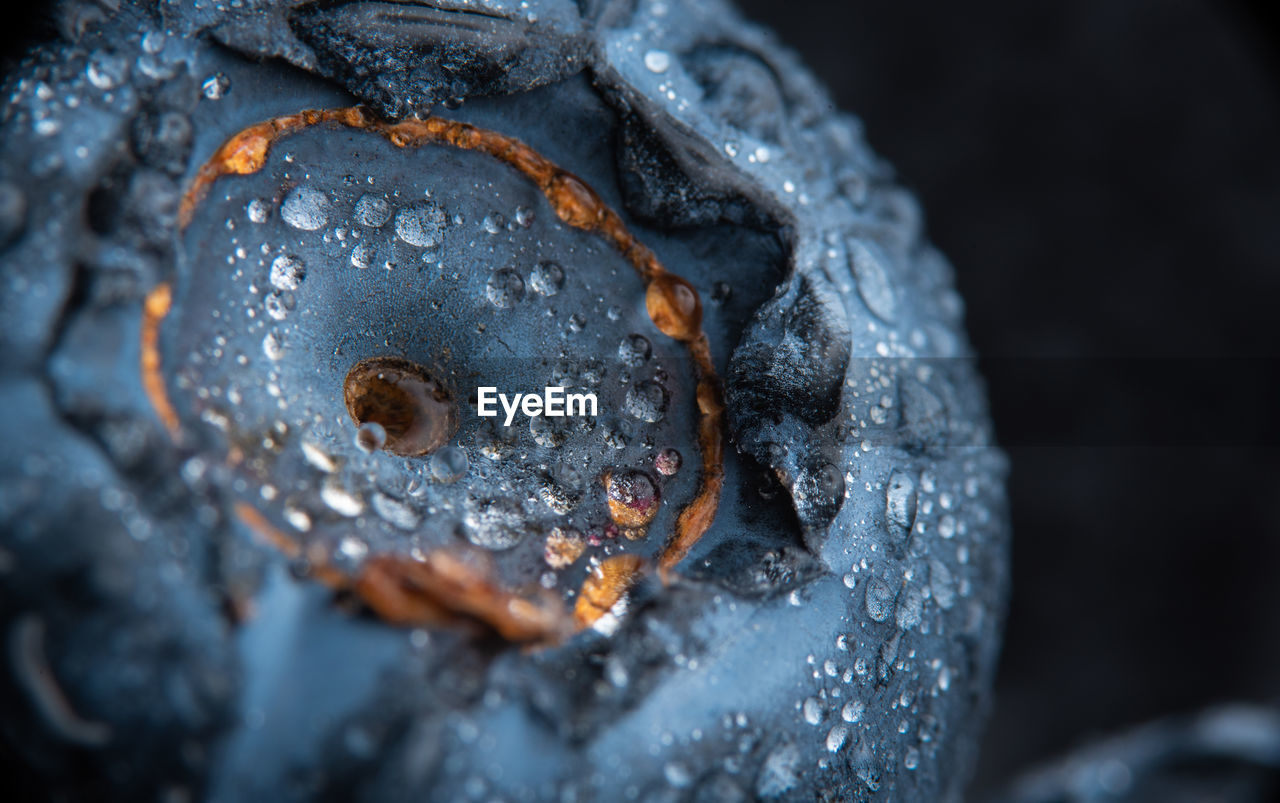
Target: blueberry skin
833,635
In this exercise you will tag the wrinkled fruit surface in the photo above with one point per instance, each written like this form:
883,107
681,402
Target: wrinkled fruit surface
257,541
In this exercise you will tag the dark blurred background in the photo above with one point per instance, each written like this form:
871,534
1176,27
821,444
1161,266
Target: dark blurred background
1105,177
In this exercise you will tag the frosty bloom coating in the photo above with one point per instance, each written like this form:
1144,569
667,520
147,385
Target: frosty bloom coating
552,403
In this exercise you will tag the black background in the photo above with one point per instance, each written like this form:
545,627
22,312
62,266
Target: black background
1105,176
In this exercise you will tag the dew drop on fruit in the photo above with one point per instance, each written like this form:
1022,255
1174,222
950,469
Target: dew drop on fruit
869,271
657,61
371,436
275,307
853,711
812,710
646,401
395,512
633,498
364,255
634,350
305,208
341,500
272,347
372,211
416,411
900,502
505,288
449,464
564,546
215,86
496,524
547,279
287,272
836,737
879,599
420,223
257,211
668,462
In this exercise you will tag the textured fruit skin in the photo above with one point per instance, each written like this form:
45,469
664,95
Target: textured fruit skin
832,636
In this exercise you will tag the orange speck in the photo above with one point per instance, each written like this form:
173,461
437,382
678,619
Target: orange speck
154,309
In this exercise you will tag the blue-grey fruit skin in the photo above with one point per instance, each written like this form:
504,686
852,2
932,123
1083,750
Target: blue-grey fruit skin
833,636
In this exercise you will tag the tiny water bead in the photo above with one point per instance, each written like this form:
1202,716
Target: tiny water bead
634,350
416,412
633,497
668,462
449,464
496,524
305,208
287,272
372,211
505,288
371,436
546,279
420,224
647,401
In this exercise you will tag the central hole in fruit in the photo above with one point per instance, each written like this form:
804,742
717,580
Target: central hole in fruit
414,410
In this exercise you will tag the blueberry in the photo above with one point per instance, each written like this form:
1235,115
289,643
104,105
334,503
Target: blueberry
263,541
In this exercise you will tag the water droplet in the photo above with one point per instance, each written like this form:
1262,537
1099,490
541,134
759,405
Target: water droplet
879,599
868,265
372,211
836,737
496,524
364,255
275,306
215,86
657,61
646,401
106,71
416,411
395,512
900,503
677,774
853,711
812,710
524,216
370,436
941,584
564,546
505,288
668,462
494,222
779,774
153,42
305,208
272,347
947,526
257,210
420,223
287,272
721,291
340,500
449,464
910,608
634,350
547,278
352,548
633,498
912,758
547,432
